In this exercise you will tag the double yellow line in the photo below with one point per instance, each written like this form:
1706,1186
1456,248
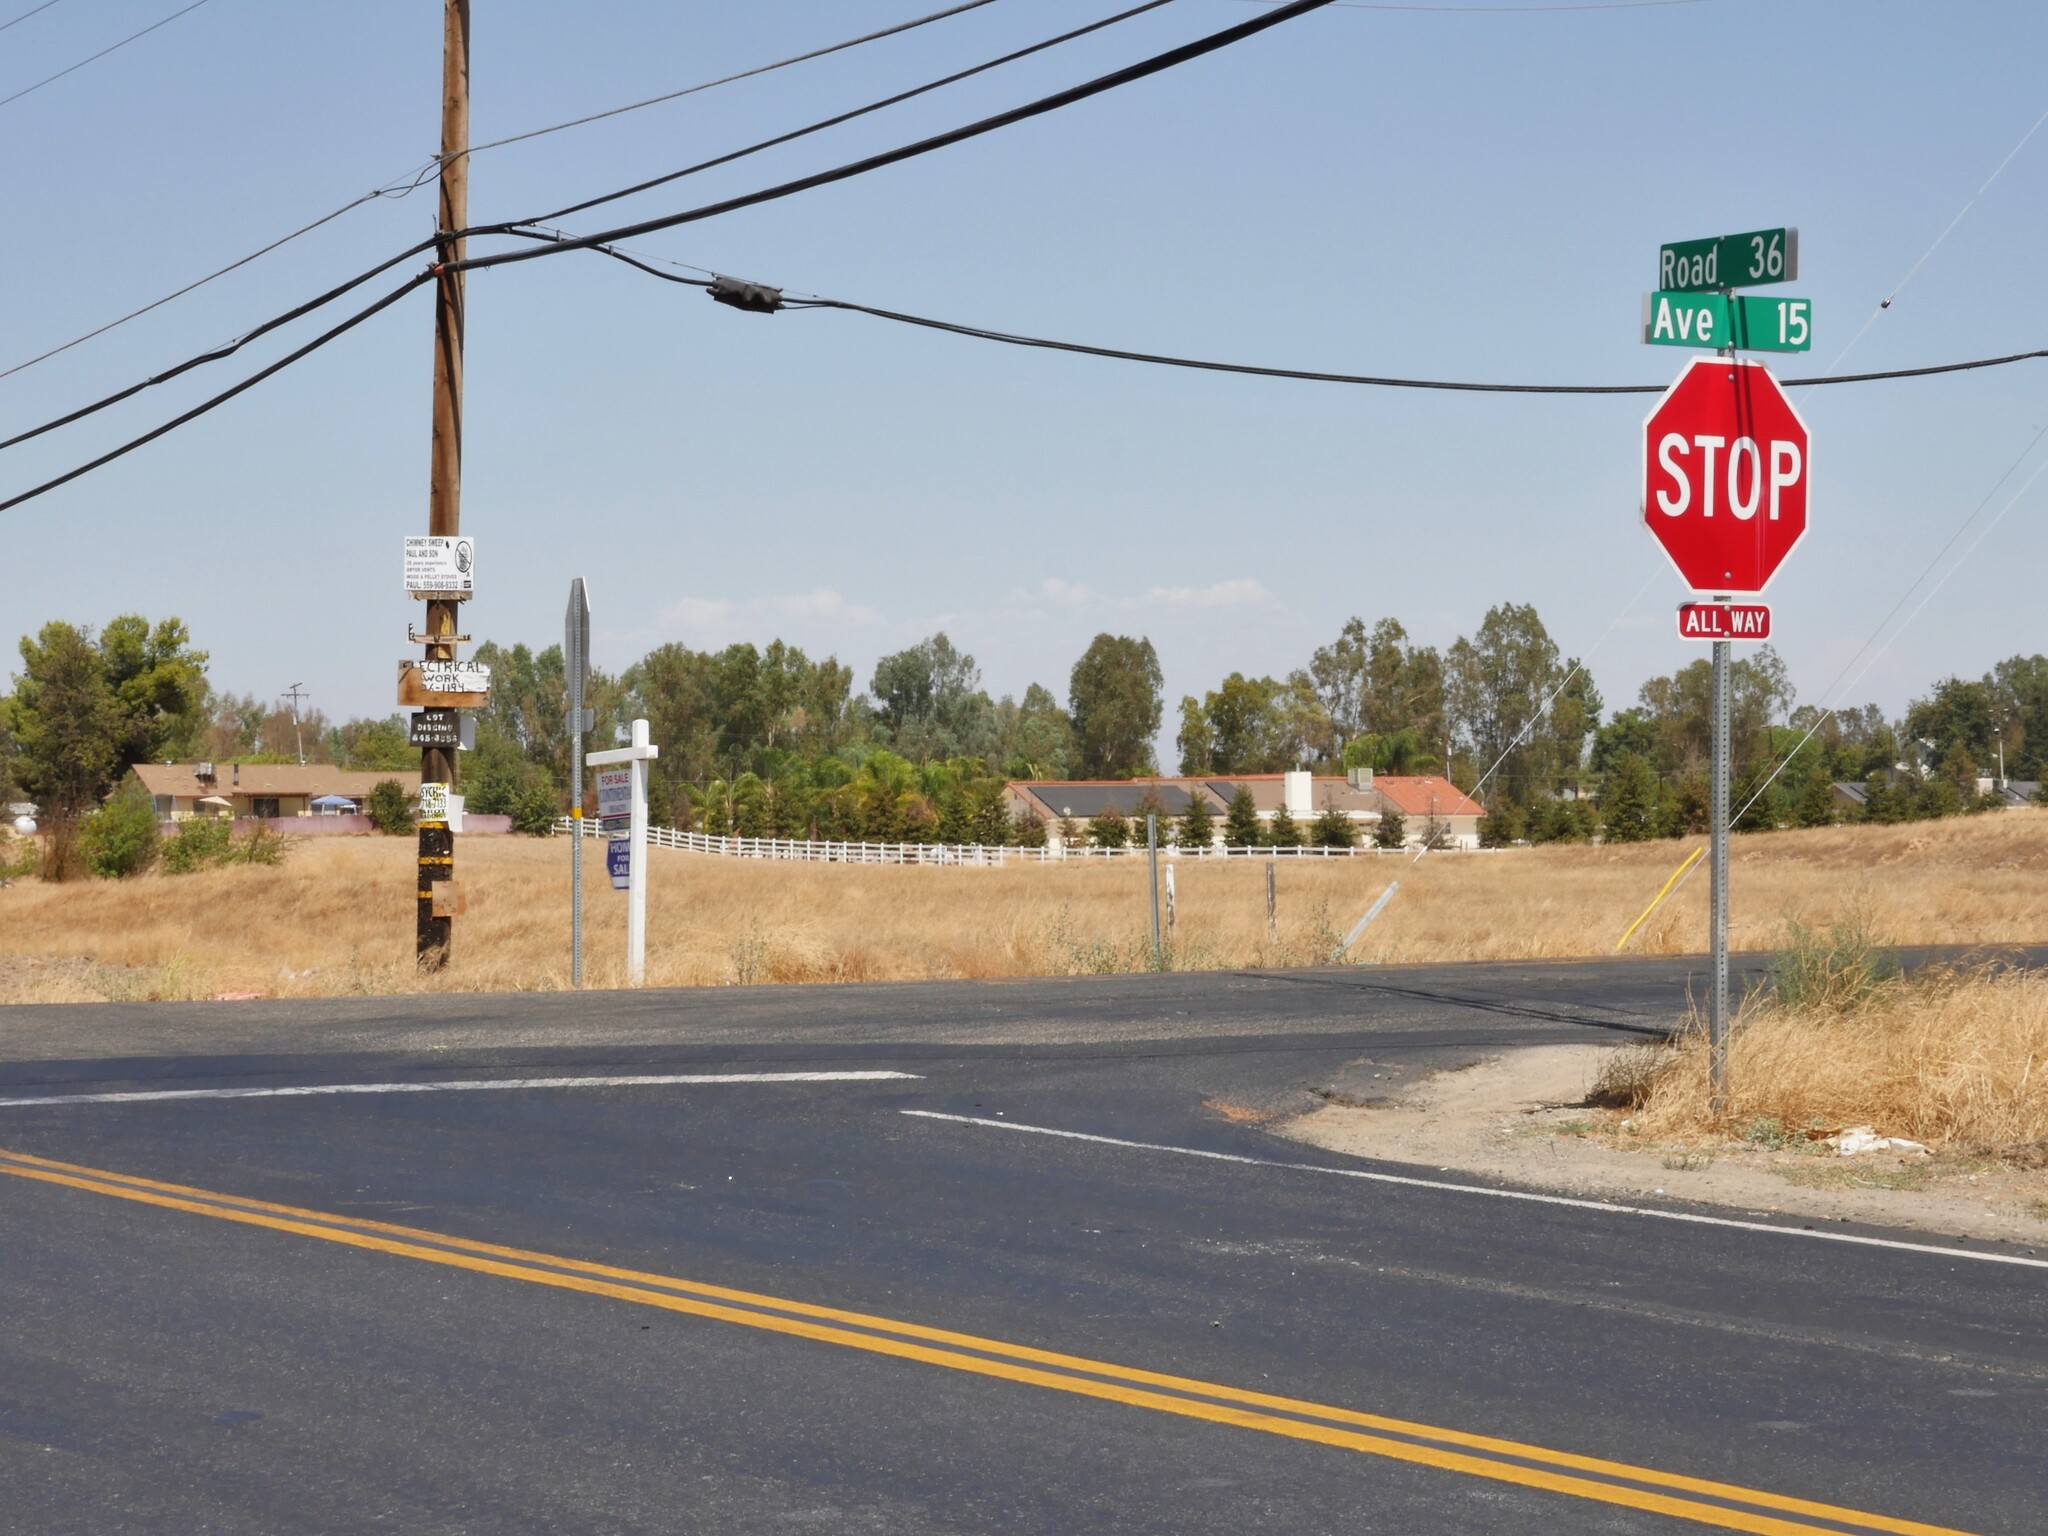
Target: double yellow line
1723,1505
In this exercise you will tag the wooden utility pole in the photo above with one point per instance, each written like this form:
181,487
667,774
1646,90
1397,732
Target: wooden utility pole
444,507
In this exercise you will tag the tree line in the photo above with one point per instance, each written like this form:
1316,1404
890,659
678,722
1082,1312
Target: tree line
773,742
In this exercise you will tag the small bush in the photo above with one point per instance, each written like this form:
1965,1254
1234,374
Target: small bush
533,811
389,808
198,844
259,845
120,839
17,855
1832,971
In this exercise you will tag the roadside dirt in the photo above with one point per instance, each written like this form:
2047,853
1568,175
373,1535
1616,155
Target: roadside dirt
1521,1118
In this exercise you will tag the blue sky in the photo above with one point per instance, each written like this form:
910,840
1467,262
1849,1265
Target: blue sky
1402,191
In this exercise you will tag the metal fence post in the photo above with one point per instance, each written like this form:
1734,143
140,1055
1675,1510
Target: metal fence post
1717,1015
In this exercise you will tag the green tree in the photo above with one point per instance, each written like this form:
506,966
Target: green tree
931,702
1282,830
1392,831
121,837
1027,829
1815,806
1378,683
1035,738
1108,829
1241,826
1114,697
374,745
1498,687
66,728
158,683
389,807
1629,799
1333,828
1197,822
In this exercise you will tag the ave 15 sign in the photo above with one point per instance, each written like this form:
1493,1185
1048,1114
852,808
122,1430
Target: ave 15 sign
1725,468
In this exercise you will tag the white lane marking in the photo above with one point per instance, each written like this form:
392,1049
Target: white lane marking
479,1085
1498,1194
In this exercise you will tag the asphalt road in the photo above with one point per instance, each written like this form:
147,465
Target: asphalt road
894,1303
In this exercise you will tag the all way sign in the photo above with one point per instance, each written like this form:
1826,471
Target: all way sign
1724,621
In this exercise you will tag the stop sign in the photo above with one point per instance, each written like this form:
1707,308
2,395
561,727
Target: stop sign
1725,466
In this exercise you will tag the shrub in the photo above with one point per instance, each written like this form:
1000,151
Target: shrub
389,808
1393,828
533,811
1283,831
1108,829
1028,830
1333,829
1197,823
198,844
1836,970
1241,825
120,839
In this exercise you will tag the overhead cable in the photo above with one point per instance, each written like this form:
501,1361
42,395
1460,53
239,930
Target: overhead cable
217,353
411,180
416,281
111,47
847,117
24,16
1130,73
745,74
1009,338
523,228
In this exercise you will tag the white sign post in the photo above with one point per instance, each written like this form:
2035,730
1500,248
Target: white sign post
636,758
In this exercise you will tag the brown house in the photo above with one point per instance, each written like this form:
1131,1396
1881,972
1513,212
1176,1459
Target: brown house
182,790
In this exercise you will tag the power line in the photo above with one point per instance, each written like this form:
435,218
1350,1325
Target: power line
1009,338
847,117
111,47
1154,65
519,229
1130,73
412,180
304,229
228,394
745,74
24,16
215,355
1504,10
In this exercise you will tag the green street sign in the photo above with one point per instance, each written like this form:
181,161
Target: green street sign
1729,261
1746,322
1687,320
1767,323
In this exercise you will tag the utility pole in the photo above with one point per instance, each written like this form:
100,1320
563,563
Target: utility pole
433,933
298,737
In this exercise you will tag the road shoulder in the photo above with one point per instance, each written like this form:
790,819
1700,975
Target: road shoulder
1521,1118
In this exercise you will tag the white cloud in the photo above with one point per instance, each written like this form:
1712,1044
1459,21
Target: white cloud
1236,592
1067,594
696,615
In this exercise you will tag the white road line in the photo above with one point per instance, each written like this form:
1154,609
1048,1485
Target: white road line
478,1085
1498,1194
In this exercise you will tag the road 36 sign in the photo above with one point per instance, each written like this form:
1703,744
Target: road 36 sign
1726,461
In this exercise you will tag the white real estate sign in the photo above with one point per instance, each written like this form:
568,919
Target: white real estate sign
440,567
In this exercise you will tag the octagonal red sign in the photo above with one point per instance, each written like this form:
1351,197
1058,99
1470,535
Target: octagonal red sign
1725,468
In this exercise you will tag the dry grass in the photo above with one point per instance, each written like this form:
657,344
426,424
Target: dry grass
1957,1060
336,917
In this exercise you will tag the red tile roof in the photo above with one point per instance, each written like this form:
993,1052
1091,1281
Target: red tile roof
1427,795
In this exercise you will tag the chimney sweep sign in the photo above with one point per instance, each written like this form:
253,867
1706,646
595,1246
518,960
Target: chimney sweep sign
437,567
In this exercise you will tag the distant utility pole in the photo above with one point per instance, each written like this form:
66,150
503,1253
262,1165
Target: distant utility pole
297,735
432,931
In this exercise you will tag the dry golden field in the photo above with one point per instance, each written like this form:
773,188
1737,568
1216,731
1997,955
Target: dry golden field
336,917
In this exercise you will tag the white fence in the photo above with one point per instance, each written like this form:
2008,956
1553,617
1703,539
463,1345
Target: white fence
967,855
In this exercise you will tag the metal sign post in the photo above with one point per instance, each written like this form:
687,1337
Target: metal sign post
576,659
636,757
1717,1013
